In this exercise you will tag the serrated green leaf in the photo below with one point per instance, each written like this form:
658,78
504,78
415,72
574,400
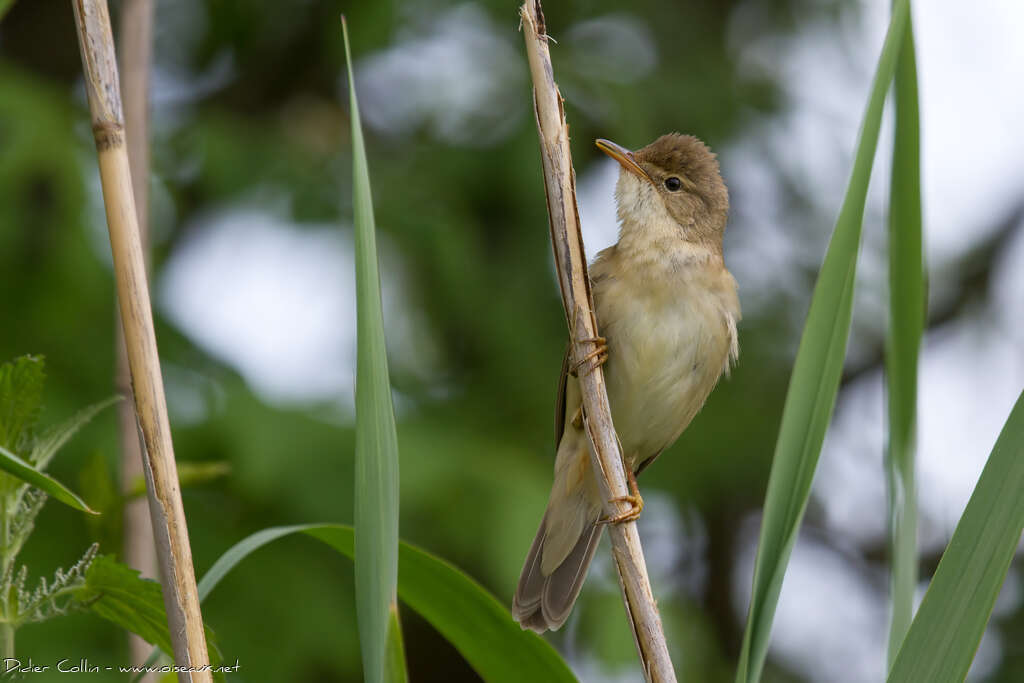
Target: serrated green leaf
20,469
945,634
376,449
21,398
47,445
907,303
462,611
115,592
118,594
817,370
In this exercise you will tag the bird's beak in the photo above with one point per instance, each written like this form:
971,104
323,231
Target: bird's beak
623,156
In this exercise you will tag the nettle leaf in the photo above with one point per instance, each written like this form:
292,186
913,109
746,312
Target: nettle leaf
116,592
21,399
119,594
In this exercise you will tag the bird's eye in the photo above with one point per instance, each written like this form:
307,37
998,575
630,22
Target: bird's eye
673,184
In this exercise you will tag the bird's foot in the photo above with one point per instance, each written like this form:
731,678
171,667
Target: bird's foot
634,499
594,358
636,502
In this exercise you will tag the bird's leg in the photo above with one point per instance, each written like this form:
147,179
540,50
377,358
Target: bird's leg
634,499
596,358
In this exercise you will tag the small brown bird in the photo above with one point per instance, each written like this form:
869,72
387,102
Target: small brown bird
668,309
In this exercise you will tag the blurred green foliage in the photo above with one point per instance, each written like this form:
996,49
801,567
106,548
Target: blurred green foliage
475,433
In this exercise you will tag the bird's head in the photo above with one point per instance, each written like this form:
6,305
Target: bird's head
674,177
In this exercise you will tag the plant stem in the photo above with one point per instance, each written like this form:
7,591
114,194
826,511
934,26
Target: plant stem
571,264
170,529
136,55
6,558
7,639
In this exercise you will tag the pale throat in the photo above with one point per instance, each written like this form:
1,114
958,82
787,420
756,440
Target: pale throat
650,237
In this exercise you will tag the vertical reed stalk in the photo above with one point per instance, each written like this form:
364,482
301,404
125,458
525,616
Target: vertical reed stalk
571,264
181,599
136,38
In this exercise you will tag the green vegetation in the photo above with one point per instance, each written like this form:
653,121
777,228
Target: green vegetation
101,585
453,267
947,630
907,307
376,476
816,374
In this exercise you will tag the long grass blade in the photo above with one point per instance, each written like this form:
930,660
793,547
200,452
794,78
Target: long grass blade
470,618
376,453
815,379
903,339
394,671
949,624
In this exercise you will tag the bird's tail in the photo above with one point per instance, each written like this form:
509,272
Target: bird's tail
558,559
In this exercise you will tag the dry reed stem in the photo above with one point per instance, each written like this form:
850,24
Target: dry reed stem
168,515
136,51
570,262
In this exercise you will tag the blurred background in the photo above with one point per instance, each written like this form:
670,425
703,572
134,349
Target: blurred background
253,286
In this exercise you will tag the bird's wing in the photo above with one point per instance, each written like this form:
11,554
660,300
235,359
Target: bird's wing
560,409
560,401
643,466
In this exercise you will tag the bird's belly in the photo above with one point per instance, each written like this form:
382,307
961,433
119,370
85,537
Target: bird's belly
664,359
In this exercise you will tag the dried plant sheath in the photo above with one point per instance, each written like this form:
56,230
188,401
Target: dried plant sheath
570,262
168,515
135,50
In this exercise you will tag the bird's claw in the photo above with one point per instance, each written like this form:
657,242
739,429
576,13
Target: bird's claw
636,507
634,499
594,358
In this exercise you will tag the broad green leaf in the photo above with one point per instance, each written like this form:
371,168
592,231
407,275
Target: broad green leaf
945,634
462,611
907,304
21,397
119,595
47,444
376,450
815,379
20,469
469,618
115,592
